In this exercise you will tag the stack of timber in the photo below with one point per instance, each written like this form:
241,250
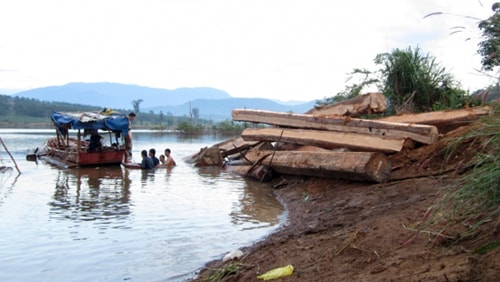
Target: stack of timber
331,143
339,147
339,125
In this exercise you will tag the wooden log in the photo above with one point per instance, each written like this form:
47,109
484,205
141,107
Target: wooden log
258,172
359,166
427,134
326,139
234,145
238,169
210,156
354,107
443,120
309,148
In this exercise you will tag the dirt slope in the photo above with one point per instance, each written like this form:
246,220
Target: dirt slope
355,231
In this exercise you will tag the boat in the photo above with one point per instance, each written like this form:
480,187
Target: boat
85,139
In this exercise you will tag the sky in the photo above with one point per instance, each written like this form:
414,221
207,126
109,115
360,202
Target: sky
285,50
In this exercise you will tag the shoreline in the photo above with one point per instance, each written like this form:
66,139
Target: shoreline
404,229
356,231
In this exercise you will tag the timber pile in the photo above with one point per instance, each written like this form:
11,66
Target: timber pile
323,144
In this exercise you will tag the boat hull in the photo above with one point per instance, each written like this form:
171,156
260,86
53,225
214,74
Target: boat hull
72,156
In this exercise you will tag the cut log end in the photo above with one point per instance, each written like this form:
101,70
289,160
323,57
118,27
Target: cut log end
378,168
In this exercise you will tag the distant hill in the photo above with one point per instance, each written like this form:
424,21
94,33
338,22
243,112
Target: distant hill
221,109
120,96
212,103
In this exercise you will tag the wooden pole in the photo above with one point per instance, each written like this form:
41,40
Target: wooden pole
7,150
79,144
267,171
58,134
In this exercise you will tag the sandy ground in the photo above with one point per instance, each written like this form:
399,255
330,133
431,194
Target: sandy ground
340,230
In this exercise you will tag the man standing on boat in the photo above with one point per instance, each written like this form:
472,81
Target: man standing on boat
128,138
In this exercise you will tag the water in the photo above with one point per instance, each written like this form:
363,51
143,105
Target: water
116,224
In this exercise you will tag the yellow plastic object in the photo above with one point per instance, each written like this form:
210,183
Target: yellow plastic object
277,273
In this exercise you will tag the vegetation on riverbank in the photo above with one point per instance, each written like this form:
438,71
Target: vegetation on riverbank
475,200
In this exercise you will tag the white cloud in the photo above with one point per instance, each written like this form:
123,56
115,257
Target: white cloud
279,49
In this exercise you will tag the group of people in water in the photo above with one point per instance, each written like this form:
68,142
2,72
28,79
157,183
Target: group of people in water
149,159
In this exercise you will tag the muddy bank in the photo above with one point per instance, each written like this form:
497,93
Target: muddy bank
341,230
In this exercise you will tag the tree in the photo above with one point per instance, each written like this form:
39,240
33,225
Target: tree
136,104
161,117
6,105
170,119
196,113
489,48
415,82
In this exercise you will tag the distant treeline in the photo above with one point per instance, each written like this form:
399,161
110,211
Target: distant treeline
28,112
19,106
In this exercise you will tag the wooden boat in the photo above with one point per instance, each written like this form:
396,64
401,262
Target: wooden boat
98,139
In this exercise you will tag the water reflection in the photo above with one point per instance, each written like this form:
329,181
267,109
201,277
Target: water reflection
105,225
91,194
210,175
8,179
258,207
147,175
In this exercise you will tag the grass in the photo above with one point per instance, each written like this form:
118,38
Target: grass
471,208
228,269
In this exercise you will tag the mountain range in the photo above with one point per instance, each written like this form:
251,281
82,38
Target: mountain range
212,103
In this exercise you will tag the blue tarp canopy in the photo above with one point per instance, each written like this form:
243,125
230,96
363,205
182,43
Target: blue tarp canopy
89,120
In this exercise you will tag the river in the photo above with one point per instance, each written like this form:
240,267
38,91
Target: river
117,224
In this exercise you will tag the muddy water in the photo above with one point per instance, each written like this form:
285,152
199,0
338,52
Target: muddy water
116,224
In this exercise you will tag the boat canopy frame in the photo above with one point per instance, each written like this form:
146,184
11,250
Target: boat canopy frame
89,120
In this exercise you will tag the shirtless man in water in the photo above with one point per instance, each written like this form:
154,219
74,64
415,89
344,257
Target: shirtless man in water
169,161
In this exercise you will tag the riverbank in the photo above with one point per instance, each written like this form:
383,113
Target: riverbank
340,230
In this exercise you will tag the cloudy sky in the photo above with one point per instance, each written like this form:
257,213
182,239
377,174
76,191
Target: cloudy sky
277,49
